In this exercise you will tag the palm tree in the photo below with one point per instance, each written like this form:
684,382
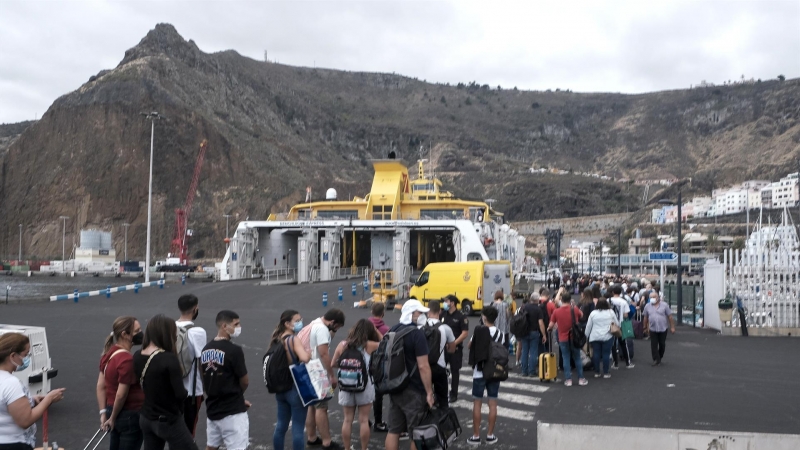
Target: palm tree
712,244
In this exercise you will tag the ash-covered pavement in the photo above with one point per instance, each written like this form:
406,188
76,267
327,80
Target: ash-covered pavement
707,382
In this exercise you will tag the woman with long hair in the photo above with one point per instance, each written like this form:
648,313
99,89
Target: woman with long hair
290,406
19,411
364,338
598,331
119,395
159,373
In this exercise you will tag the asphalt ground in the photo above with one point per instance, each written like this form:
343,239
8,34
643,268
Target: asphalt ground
707,382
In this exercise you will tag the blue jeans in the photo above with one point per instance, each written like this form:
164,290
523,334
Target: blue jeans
290,407
568,349
126,435
601,348
530,352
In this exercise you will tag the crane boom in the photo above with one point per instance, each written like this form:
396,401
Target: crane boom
179,247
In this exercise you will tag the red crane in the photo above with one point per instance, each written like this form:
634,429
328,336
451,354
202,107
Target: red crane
179,247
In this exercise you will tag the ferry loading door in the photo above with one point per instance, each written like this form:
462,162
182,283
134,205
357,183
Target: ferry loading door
400,258
330,261
307,256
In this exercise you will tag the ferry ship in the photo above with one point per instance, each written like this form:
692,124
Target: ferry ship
400,226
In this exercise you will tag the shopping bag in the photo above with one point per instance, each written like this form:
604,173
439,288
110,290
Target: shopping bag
627,329
311,381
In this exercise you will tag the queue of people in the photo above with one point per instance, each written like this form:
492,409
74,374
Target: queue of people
152,396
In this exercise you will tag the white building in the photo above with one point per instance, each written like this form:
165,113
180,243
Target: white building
701,206
784,192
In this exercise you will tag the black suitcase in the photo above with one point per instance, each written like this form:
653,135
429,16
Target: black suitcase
437,430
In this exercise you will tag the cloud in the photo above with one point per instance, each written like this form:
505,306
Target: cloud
50,48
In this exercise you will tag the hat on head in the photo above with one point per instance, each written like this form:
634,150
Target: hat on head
451,297
409,308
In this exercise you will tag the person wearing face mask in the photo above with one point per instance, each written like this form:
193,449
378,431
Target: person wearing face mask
290,407
225,379
657,316
316,338
119,395
195,339
436,356
19,411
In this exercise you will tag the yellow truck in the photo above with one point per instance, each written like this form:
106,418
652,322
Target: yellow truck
471,282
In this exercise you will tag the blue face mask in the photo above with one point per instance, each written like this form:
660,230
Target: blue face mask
298,326
26,361
446,306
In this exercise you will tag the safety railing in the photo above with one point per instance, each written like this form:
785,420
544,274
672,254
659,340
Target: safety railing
286,274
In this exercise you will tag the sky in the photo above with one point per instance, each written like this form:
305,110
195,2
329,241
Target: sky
50,48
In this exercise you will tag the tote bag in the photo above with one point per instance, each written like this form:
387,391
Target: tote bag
311,381
627,329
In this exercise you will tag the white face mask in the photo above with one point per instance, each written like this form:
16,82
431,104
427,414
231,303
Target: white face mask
236,332
422,320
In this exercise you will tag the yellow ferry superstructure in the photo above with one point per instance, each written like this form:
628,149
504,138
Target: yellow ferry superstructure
400,226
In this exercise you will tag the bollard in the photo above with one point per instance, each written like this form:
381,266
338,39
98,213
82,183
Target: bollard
366,285
325,299
183,279
161,284
354,289
108,291
341,294
75,299
136,287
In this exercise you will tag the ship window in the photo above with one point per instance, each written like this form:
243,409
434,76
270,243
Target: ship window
422,187
383,212
441,214
337,214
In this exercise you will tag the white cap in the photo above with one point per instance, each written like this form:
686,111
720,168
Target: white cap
409,308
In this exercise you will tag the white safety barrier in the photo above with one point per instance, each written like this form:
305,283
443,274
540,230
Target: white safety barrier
593,437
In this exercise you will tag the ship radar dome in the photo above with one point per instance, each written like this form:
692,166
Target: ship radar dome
330,194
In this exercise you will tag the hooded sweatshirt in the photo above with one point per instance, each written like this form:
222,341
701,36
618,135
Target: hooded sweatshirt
379,324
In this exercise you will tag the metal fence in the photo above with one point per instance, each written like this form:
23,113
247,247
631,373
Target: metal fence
280,275
692,302
767,281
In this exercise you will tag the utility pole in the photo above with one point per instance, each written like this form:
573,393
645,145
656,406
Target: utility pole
152,117
20,244
226,216
63,245
126,225
619,252
680,269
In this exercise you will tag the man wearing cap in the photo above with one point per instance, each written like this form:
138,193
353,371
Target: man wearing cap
460,326
407,408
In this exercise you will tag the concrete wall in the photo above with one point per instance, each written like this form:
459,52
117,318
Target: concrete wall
589,228
591,437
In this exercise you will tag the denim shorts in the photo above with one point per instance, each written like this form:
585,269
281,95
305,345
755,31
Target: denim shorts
492,388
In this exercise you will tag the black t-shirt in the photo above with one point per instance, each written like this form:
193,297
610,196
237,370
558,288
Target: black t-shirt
414,346
163,385
534,315
458,323
223,366
586,310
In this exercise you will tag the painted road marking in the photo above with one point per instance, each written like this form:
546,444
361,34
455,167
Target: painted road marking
509,385
512,398
516,376
501,411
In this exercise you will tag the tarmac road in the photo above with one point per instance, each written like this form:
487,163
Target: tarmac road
707,382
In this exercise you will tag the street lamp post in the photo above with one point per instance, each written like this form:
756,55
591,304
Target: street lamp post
126,225
680,257
152,117
601,257
619,252
63,245
19,258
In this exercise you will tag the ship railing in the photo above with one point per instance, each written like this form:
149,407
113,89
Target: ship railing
351,272
284,274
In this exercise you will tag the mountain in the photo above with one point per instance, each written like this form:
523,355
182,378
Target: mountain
275,129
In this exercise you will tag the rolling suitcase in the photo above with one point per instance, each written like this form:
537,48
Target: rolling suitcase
638,326
548,371
437,430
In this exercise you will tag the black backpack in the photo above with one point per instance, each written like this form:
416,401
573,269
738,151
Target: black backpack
577,335
519,325
388,363
275,368
496,367
352,372
434,338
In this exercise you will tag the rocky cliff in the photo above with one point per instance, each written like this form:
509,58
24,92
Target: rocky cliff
275,129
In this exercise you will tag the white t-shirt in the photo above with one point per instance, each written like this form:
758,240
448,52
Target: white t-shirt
621,305
197,341
499,338
320,335
11,390
447,338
